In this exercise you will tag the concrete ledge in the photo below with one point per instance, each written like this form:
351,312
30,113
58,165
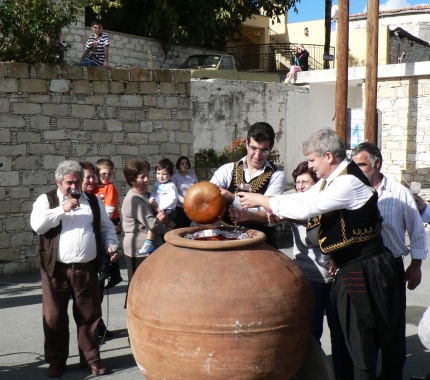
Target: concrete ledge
359,73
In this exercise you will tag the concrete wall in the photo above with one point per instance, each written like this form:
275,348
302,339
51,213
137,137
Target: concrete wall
127,50
49,114
224,110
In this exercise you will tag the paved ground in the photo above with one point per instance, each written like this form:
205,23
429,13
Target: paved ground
21,345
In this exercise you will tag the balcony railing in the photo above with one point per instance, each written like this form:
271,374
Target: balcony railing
277,55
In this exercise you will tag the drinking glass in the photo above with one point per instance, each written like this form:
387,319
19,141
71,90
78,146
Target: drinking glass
245,187
76,194
415,187
234,214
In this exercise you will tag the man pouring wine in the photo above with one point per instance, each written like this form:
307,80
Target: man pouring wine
255,171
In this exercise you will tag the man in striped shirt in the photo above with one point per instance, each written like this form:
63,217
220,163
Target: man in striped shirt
400,215
97,48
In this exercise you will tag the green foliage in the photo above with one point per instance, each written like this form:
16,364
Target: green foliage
30,28
209,158
201,23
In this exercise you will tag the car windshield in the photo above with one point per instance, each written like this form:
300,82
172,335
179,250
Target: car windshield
201,61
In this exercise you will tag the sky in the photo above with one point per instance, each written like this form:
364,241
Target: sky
314,9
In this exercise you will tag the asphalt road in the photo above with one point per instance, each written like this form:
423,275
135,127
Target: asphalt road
21,345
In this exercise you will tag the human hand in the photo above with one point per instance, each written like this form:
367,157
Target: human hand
332,268
421,203
227,195
162,217
413,274
70,205
113,252
248,200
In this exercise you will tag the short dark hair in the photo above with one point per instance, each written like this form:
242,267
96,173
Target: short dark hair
96,22
372,149
133,168
178,162
105,163
86,165
260,132
303,168
165,163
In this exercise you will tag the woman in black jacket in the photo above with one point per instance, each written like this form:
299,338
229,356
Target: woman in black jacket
298,63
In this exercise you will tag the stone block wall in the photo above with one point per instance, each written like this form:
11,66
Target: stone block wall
404,104
127,50
49,114
415,52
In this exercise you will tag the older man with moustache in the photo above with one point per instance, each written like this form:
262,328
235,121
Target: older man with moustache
343,205
73,236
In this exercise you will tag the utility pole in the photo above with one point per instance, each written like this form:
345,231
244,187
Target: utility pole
342,70
371,115
327,25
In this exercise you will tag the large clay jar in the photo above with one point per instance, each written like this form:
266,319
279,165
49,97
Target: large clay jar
219,310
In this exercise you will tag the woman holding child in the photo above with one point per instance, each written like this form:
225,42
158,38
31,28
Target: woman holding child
138,217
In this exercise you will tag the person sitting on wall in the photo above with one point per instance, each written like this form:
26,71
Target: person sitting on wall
298,63
97,48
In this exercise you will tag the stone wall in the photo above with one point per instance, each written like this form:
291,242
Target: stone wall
404,103
49,114
127,50
415,52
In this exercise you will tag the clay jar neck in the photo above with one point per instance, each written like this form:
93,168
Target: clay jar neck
176,238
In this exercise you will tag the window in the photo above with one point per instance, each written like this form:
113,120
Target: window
226,64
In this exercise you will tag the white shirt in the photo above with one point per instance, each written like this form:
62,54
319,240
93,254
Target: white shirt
165,194
341,192
77,240
400,214
224,175
183,183
309,256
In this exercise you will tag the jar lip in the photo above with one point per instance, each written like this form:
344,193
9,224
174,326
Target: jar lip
176,238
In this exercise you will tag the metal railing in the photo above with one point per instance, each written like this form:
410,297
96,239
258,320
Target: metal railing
277,55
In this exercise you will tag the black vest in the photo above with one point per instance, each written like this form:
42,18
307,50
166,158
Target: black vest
48,242
258,185
341,229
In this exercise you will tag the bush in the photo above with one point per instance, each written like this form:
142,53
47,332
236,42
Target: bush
29,29
209,158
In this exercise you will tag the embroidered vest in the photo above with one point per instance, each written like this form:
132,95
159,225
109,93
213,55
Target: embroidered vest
340,229
258,185
48,242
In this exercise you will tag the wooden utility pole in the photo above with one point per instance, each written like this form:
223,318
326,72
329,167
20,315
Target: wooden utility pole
327,26
371,115
342,70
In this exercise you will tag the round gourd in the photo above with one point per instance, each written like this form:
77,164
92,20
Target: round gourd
203,203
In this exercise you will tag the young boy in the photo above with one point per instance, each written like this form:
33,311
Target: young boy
163,197
97,48
107,192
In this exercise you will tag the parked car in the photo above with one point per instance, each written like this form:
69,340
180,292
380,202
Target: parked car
223,66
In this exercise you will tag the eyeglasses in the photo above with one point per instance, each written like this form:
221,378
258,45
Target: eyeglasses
254,149
300,183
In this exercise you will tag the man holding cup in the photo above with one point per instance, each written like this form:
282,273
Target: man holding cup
253,169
